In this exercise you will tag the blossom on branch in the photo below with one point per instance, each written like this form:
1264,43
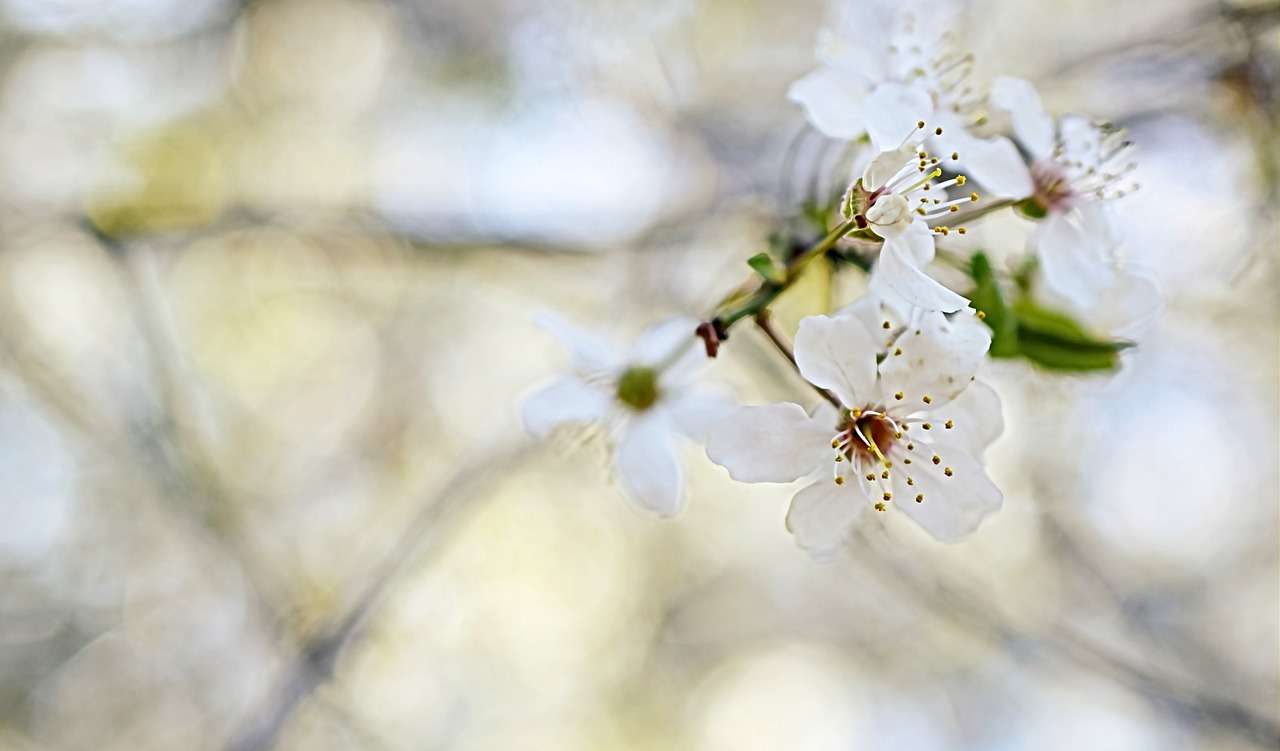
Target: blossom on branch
884,65
644,400
909,433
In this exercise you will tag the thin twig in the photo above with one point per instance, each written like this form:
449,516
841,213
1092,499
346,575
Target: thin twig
439,512
780,344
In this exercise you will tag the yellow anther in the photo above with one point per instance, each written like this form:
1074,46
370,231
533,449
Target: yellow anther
835,443
961,230
880,507
973,196
871,477
982,314
839,480
839,458
927,399
947,471
910,481
888,496
919,123
937,459
960,179
899,396
897,351
920,498
949,425
884,475
927,426
886,325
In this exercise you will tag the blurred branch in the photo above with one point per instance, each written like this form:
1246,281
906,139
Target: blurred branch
943,596
439,512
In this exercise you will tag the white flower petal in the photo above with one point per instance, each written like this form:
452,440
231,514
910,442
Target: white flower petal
833,101
837,354
1031,124
695,412
822,516
932,364
1127,305
885,165
773,443
647,466
658,343
1071,263
873,313
898,277
994,163
591,355
953,505
975,418
566,400
892,111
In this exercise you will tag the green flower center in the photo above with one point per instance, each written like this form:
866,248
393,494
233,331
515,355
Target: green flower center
638,388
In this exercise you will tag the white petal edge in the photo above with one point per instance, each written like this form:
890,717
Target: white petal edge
647,466
832,101
590,353
823,514
664,341
837,354
953,506
892,111
694,412
771,443
976,416
898,278
567,400
932,364
1031,123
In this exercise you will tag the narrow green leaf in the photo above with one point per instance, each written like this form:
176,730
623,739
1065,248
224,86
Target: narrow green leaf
764,265
987,298
1056,341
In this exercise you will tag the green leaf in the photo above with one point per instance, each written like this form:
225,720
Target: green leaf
1055,341
764,265
987,298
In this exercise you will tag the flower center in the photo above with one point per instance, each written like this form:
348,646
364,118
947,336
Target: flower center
638,388
1090,162
866,434
900,186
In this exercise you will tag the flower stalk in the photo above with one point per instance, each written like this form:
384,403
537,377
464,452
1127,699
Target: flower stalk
752,301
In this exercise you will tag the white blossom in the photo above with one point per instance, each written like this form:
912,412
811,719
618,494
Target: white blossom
887,65
1076,166
910,432
643,399
898,194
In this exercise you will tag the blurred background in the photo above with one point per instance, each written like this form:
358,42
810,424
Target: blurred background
266,282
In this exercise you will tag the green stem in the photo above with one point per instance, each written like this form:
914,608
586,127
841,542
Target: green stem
737,307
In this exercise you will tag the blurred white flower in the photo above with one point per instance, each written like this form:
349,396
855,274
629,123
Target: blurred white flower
897,190
1076,166
644,399
1074,160
889,65
910,432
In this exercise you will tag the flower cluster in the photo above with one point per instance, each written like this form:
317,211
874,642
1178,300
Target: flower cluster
903,422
